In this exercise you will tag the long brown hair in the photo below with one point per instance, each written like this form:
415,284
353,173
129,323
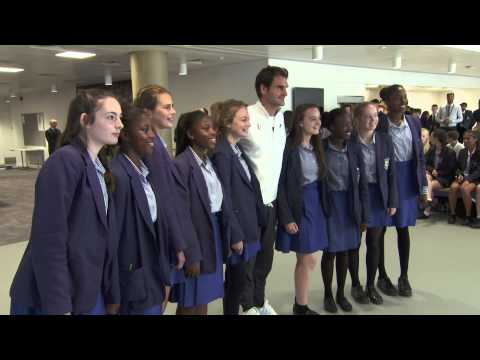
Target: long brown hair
88,102
295,137
225,113
147,96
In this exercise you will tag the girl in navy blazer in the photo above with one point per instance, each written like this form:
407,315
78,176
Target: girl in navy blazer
467,180
409,163
441,163
163,174
241,186
348,196
211,213
377,152
142,224
302,200
70,265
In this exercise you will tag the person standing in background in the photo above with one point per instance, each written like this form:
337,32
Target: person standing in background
450,115
52,135
466,123
267,123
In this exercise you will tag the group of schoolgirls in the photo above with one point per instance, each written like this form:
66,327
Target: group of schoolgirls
367,175
127,234
119,227
459,173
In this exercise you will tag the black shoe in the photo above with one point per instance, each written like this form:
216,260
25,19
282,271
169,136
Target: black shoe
303,310
452,219
374,296
329,305
386,287
344,303
422,216
475,223
359,295
467,221
404,288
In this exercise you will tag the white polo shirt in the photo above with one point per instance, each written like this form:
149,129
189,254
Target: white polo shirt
264,146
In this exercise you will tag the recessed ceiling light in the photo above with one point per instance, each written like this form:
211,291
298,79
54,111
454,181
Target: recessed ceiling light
383,47
8,69
75,54
221,58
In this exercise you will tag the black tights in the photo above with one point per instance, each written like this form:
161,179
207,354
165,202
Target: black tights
373,239
403,240
327,271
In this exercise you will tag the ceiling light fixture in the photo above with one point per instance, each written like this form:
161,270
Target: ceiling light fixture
383,47
75,54
108,77
9,69
53,89
317,53
452,67
183,67
397,62
12,95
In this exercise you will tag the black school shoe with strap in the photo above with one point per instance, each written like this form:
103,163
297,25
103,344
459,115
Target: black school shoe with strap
344,303
303,310
476,223
359,295
386,286
329,305
374,296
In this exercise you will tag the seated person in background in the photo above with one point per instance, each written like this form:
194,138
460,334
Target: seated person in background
441,163
467,180
425,140
453,143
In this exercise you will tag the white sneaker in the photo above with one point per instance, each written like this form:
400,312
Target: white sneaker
267,309
251,311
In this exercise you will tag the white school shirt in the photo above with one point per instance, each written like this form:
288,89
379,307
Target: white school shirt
264,146
451,112
458,146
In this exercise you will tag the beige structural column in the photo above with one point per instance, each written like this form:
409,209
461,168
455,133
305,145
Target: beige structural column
150,68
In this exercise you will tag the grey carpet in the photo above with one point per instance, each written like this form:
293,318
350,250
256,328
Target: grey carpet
17,190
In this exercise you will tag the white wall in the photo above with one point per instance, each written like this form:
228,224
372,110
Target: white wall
52,105
203,87
351,81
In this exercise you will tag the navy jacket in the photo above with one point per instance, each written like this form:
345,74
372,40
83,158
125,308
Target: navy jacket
358,181
194,197
72,253
166,179
245,196
474,165
418,156
290,199
143,255
386,176
446,168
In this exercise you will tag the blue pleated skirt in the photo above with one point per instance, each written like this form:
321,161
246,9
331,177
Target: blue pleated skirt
249,251
406,214
17,309
343,232
206,287
312,235
378,216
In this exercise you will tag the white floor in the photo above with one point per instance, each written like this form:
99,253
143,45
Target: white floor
444,274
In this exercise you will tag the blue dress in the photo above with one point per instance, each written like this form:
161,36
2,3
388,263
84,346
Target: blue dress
312,235
377,216
206,287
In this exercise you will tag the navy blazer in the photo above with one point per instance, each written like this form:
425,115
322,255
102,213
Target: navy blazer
386,176
194,197
358,181
143,253
446,168
290,198
474,165
245,196
418,156
166,179
72,252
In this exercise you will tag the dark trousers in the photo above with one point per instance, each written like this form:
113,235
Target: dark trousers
254,293
236,278
461,130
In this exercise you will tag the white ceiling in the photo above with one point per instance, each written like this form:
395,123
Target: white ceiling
42,68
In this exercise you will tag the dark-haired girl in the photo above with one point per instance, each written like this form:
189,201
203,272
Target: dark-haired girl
348,193
241,186
411,182
377,152
210,211
441,163
302,200
70,265
142,225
